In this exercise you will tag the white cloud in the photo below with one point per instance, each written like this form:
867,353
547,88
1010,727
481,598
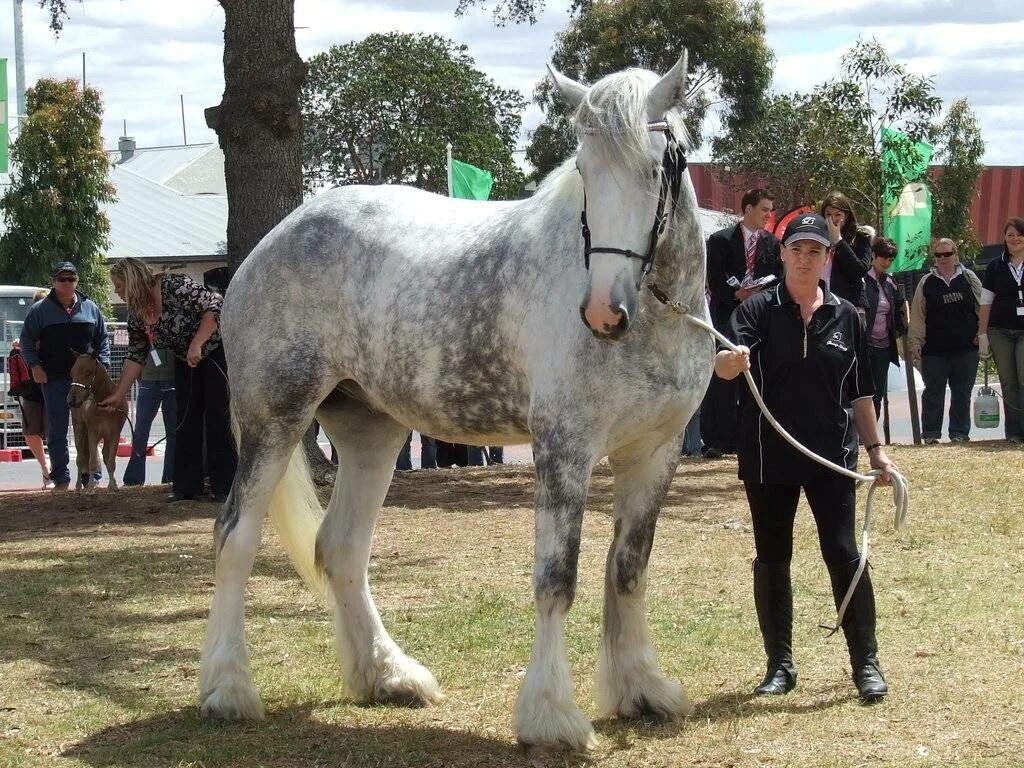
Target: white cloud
142,55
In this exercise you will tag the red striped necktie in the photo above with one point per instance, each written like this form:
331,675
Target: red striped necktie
751,252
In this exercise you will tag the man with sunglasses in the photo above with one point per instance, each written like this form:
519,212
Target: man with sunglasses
885,316
944,341
63,323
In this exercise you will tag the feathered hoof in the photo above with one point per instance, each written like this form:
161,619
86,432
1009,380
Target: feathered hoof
407,682
232,701
649,697
544,723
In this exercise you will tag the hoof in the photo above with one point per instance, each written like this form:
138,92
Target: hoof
653,698
232,702
406,682
548,724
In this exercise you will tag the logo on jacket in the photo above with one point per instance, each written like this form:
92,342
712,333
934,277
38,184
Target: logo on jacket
838,341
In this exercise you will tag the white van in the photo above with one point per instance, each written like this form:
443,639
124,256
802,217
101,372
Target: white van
15,301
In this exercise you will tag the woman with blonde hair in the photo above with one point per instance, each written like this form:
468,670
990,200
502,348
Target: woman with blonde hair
173,311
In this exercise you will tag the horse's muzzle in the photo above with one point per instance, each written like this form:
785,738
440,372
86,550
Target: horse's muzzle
605,331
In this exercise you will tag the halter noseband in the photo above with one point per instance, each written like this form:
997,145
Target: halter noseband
673,164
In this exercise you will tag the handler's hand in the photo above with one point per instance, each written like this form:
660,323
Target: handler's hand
114,402
742,294
729,364
881,462
195,355
39,375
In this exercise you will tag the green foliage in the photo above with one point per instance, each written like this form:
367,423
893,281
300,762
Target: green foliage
961,149
382,110
729,61
515,11
830,138
52,208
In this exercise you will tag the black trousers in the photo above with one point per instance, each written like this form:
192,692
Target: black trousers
832,499
202,397
718,414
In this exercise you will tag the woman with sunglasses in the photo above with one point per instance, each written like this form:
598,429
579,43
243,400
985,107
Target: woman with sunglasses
1001,324
943,340
885,316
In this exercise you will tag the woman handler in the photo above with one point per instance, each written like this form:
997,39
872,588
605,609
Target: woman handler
807,352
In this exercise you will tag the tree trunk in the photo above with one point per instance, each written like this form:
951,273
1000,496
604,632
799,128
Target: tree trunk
259,128
258,122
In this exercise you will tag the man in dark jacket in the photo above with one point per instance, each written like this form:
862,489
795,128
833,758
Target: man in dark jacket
738,258
66,321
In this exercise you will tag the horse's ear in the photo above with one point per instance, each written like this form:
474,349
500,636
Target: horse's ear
572,92
670,90
94,354
75,352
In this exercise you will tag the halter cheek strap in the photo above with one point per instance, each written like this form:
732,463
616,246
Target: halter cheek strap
673,163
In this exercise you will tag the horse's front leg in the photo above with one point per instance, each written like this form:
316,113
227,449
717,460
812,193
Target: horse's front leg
545,712
629,681
110,456
83,452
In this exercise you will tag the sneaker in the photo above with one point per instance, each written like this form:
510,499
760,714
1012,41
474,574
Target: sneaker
1015,439
177,498
47,481
931,441
959,439
62,486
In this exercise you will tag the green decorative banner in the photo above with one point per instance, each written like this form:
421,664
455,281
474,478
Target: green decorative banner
907,204
470,182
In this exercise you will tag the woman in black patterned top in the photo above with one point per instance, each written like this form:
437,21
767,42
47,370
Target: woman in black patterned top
175,312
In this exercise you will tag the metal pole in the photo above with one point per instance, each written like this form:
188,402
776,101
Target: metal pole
83,71
184,136
19,60
449,156
907,278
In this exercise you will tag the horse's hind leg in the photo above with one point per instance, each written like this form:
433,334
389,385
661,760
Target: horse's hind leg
225,683
373,666
629,680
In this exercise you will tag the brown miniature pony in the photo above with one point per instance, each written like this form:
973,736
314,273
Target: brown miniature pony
90,383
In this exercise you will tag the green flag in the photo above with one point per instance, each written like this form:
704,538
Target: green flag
3,116
907,201
470,182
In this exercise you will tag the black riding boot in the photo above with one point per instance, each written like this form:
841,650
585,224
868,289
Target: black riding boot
859,628
773,598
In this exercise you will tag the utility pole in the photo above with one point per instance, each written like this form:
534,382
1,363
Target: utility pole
184,136
19,61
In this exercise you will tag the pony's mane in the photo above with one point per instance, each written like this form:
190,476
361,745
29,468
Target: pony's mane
613,118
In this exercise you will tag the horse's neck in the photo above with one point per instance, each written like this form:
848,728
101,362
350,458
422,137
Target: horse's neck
102,385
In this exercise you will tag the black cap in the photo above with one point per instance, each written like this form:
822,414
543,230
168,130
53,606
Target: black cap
65,266
807,226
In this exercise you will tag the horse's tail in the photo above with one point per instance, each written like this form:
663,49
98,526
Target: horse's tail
296,513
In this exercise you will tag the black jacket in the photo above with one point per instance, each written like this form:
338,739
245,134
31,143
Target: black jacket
1008,296
894,293
727,258
849,265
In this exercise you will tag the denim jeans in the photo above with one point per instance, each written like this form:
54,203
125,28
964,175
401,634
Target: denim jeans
58,418
692,444
959,371
428,454
1008,351
153,396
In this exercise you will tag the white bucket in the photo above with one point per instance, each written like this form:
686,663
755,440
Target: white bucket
986,409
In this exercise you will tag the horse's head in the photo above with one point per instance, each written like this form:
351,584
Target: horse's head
84,375
628,125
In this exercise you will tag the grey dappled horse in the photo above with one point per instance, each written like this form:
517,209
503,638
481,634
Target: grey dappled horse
380,309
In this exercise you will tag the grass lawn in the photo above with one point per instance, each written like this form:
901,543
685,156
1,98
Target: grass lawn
104,602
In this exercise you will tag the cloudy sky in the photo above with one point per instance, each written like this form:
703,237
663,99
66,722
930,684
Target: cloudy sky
144,55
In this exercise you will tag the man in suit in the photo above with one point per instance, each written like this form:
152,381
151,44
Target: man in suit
737,255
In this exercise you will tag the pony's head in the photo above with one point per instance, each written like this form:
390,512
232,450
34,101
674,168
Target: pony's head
629,128
84,375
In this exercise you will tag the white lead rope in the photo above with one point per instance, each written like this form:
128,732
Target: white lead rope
900,486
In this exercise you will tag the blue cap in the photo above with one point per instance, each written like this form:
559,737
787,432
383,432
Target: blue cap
65,266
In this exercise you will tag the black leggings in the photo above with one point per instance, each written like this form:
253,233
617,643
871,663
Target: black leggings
832,499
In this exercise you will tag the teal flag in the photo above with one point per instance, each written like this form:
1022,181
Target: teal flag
907,200
3,116
470,182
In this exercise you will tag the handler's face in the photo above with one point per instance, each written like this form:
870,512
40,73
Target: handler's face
804,259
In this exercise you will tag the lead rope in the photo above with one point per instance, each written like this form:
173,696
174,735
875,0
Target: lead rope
900,485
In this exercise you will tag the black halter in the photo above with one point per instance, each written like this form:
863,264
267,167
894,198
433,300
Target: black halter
673,164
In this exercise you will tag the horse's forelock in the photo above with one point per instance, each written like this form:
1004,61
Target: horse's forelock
613,119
